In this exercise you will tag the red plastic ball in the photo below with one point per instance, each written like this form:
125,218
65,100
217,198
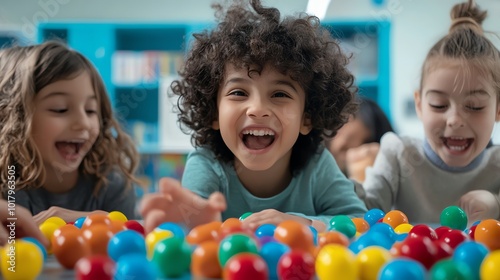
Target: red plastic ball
246,266
440,231
423,230
95,267
419,248
296,265
471,231
135,225
454,237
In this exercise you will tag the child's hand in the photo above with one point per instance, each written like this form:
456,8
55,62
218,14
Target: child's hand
176,204
271,216
24,225
65,214
359,158
479,205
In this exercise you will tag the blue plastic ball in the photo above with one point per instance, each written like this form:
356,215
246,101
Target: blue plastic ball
271,252
471,254
79,222
373,216
135,266
265,230
398,269
176,229
126,242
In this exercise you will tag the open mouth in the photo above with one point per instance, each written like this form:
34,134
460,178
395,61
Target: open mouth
258,139
457,144
69,149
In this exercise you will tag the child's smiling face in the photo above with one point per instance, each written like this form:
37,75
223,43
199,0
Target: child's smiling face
66,122
260,115
458,108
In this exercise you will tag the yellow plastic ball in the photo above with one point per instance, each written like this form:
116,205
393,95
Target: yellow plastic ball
117,216
370,260
403,228
154,237
56,220
22,260
490,267
48,230
335,261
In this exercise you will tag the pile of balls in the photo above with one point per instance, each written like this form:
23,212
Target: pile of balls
378,246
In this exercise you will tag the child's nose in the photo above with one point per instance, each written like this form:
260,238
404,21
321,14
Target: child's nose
455,119
258,108
81,121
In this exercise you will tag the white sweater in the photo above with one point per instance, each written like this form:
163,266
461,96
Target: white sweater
403,178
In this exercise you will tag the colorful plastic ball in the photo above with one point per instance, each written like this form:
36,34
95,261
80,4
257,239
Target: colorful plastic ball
361,224
245,215
471,254
204,260
336,262
420,248
176,229
135,266
332,237
126,242
205,232
471,232
440,231
48,230
68,246
271,253
314,232
153,238
117,216
21,260
265,230
95,268
370,260
296,265
79,222
372,216
403,228
490,268
94,219
56,220
399,269
454,237
235,244
246,266
449,269
454,217
384,229
296,235
488,233
423,230
371,239
444,250
344,224
97,238
38,244
172,257
394,218
135,225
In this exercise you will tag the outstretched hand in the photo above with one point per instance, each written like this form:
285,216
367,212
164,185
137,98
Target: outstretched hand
24,225
480,205
359,158
176,204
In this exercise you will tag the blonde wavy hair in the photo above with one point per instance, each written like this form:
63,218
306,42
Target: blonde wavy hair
24,71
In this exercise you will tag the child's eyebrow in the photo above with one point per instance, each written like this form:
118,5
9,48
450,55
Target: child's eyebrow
62,93
472,92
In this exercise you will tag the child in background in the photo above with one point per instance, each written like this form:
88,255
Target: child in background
357,143
259,94
458,103
58,134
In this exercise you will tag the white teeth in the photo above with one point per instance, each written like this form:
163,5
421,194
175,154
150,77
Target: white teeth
259,132
79,141
457,138
457,148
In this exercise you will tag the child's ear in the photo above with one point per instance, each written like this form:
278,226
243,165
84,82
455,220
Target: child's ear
215,125
306,126
418,103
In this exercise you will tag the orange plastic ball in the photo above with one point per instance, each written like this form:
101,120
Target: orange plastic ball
361,224
205,260
394,218
97,238
204,233
94,219
488,233
296,235
332,237
68,246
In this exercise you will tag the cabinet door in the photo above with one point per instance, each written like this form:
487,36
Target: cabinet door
97,43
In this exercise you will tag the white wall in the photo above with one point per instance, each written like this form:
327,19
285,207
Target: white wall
416,25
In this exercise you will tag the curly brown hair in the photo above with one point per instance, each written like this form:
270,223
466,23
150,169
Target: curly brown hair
24,71
296,46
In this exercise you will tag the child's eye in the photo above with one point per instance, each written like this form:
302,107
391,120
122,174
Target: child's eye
91,111
472,108
237,93
281,94
59,111
437,107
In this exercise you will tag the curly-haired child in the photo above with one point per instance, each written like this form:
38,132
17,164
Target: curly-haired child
65,152
259,93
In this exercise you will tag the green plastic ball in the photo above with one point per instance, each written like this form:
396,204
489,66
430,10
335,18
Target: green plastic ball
454,217
449,269
172,257
235,244
343,224
245,215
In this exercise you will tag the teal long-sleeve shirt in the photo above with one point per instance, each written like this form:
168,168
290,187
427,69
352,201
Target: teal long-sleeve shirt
319,191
